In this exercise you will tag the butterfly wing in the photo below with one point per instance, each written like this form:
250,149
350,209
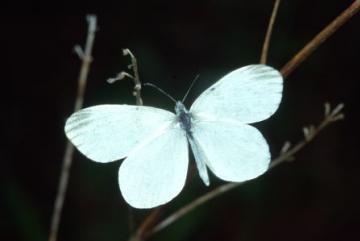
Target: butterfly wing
155,172
106,133
249,94
232,150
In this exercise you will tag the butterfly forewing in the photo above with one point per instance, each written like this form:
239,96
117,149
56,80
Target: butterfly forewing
249,94
107,133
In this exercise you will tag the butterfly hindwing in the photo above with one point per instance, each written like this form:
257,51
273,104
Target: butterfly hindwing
155,172
234,151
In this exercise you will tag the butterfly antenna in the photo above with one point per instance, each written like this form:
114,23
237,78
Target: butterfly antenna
192,83
162,91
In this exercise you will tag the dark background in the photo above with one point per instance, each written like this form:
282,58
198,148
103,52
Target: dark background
314,198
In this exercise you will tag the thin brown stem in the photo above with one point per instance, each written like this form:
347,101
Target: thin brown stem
320,38
265,48
136,78
149,222
284,156
68,155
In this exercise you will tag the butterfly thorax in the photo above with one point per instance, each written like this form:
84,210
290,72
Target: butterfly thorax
183,116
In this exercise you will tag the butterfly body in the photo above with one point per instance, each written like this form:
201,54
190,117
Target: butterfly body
184,117
155,142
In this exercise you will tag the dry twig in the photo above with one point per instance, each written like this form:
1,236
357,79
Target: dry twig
135,77
320,38
265,48
86,58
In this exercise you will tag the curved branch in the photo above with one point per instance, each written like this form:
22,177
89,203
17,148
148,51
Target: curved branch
320,38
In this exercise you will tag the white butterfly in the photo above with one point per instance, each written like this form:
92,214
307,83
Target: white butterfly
154,142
